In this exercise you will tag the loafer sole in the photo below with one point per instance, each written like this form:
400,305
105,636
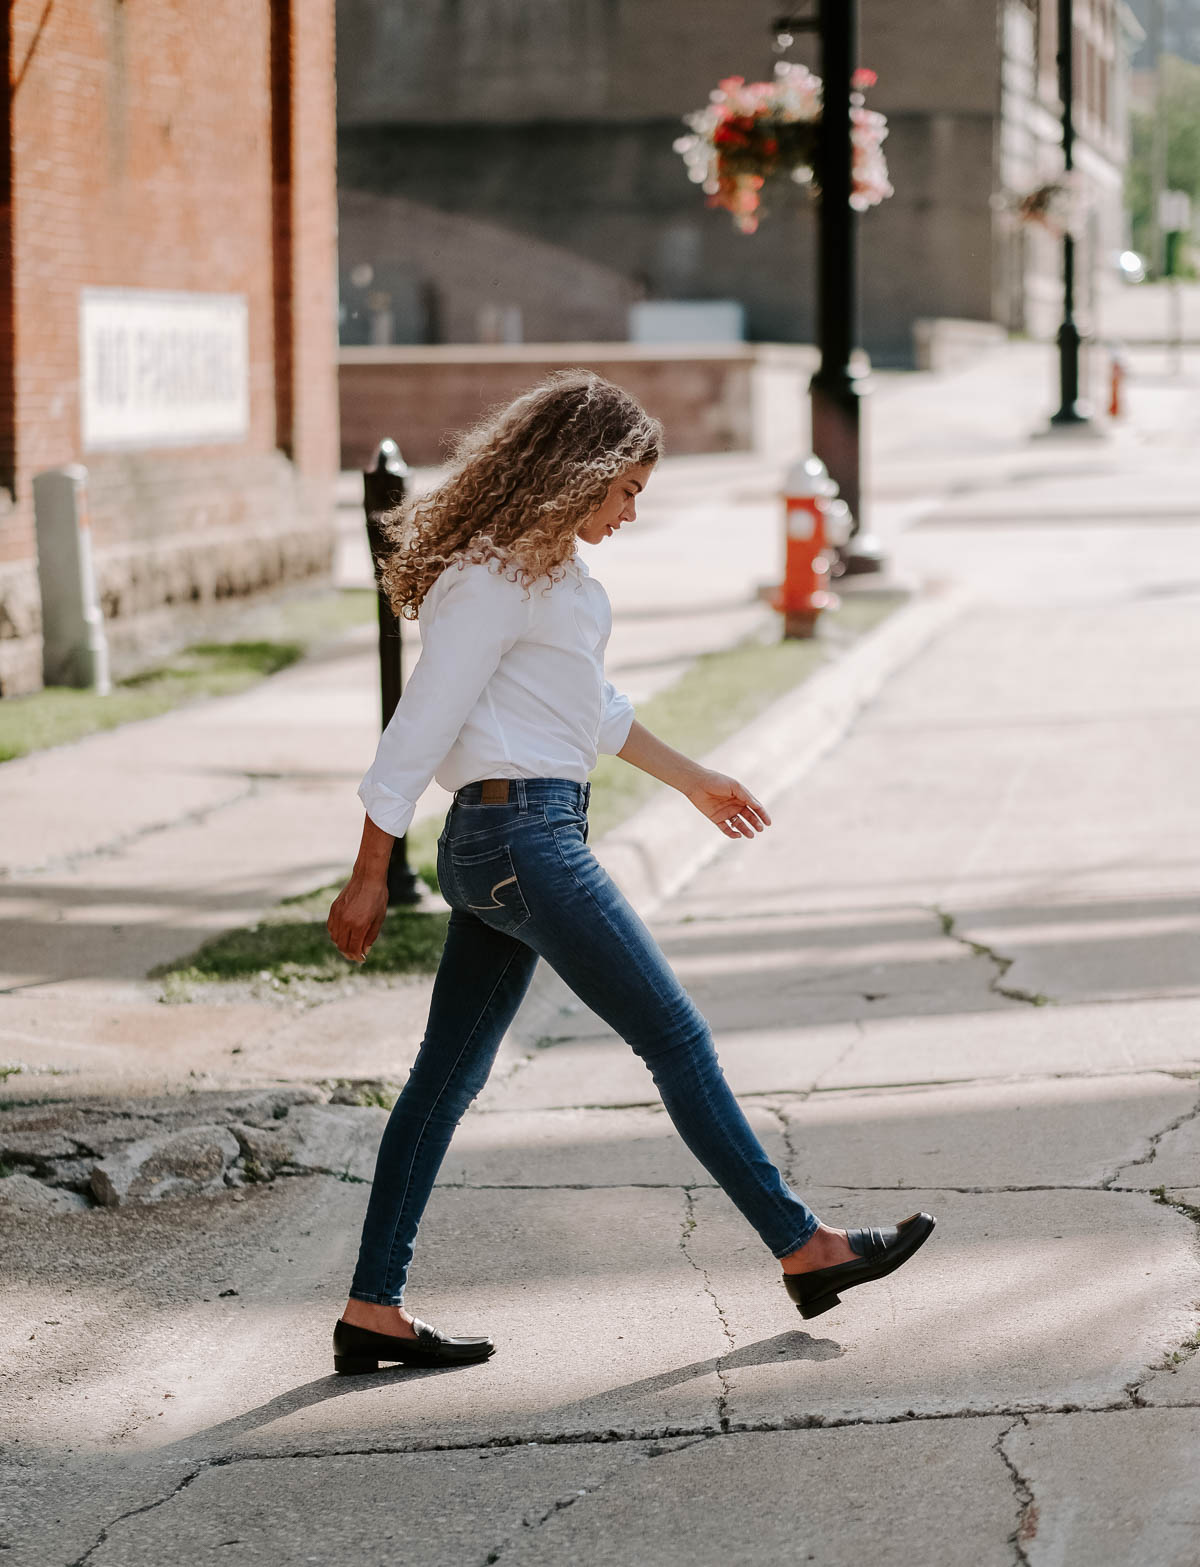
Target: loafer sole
358,1365
818,1292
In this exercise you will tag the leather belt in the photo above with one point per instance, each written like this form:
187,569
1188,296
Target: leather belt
500,791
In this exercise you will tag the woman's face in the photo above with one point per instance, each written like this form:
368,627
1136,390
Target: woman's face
618,505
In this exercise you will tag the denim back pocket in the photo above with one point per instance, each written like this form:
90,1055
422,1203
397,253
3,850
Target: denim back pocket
486,884
562,818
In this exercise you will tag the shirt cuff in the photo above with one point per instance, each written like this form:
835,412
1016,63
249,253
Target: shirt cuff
614,730
388,810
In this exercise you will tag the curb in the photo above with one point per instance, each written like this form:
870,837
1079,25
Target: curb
667,842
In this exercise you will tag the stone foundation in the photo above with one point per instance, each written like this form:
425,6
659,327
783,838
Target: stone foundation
157,599
158,596
20,629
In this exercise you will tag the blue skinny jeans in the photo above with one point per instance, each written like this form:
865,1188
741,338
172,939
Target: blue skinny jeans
522,884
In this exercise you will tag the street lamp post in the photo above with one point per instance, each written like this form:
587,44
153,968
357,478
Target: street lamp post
1071,412
836,389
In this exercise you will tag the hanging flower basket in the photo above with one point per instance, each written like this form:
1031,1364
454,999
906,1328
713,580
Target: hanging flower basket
758,134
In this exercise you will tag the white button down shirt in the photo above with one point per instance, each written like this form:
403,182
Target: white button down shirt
510,684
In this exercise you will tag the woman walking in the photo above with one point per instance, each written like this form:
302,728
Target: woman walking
509,707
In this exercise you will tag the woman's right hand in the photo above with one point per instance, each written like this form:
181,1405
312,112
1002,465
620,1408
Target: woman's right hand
356,916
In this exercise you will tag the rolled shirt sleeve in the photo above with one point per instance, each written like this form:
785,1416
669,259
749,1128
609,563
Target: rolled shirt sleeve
474,616
616,722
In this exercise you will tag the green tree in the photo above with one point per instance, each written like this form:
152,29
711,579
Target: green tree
1181,105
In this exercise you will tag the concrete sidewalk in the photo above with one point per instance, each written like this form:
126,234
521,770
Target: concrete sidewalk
959,973
129,848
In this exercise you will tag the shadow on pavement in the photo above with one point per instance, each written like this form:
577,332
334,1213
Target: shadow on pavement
767,1352
783,1347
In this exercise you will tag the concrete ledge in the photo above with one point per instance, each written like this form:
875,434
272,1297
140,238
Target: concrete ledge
944,343
539,354
709,396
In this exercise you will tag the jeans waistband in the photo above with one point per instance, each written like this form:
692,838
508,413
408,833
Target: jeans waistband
524,791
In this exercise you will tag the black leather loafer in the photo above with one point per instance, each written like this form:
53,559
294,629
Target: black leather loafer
356,1350
880,1252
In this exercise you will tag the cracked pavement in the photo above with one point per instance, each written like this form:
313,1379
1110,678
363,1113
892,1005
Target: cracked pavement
960,973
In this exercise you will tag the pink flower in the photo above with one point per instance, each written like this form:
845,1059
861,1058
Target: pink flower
748,133
862,79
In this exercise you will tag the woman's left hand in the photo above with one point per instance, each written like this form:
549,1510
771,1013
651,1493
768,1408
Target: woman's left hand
729,805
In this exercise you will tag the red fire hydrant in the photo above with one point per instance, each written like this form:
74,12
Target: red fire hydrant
814,521
1116,384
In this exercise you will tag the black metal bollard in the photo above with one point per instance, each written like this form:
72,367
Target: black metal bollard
383,488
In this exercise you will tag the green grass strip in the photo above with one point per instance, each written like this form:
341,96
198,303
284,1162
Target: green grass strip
291,949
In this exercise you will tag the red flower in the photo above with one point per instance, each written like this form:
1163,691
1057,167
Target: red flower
862,79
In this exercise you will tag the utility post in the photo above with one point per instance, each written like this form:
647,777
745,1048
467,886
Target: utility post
1071,412
836,390
1158,146
1175,221
383,487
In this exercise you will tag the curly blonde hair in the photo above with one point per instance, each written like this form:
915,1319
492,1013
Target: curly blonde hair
520,484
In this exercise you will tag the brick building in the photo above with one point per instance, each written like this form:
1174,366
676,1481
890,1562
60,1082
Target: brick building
509,168
167,305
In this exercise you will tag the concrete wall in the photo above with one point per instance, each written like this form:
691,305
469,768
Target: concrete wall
735,397
177,147
550,123
582,101
497,62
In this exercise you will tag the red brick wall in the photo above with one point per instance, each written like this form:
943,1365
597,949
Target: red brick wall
142,157
422,397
